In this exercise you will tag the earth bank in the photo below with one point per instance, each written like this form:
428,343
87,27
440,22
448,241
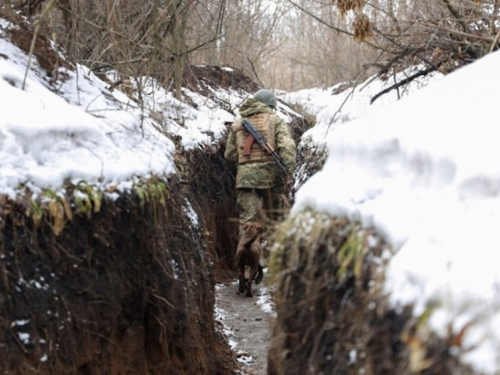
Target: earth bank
124,288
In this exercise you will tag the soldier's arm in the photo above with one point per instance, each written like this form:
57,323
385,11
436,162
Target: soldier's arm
285,146
230,154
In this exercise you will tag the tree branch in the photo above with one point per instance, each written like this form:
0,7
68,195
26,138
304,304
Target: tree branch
319,19
255,72
495,41
455,14
402,83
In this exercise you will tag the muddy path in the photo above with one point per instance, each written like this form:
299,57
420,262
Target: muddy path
246,323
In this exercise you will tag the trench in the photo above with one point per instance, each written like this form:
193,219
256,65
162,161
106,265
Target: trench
246,324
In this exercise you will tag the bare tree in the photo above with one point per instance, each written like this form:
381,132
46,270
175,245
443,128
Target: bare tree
287,44
248,35
442,34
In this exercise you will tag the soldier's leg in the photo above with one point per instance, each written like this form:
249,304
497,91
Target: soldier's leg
249,204
268,224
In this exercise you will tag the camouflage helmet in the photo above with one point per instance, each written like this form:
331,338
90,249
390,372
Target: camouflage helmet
266,97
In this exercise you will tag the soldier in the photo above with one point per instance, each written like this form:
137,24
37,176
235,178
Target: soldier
261,185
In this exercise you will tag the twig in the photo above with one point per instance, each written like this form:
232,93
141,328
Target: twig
495,41
343,103
111,66
18,342
455,14
49,7
330,26
114,85
402,82
319,19
255,72
91,151
162,299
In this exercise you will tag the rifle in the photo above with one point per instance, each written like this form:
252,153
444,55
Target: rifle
255,135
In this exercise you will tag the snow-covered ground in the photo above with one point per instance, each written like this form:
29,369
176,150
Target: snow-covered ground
77,129
343,102
425,172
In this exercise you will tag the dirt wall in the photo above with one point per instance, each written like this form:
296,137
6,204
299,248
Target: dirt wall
210,184
126,290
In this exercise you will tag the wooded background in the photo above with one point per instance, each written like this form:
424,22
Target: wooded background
282,44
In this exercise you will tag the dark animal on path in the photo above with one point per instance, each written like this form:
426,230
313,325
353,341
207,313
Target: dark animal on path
248,253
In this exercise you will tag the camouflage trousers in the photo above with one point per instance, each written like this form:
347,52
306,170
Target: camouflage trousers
261,206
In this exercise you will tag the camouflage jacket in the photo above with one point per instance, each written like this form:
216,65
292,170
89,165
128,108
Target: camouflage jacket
262,175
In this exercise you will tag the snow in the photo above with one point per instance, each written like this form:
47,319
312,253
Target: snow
24,337
264,298
343,103
77,130
424,172
82,132
191,214
197,126
265,303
